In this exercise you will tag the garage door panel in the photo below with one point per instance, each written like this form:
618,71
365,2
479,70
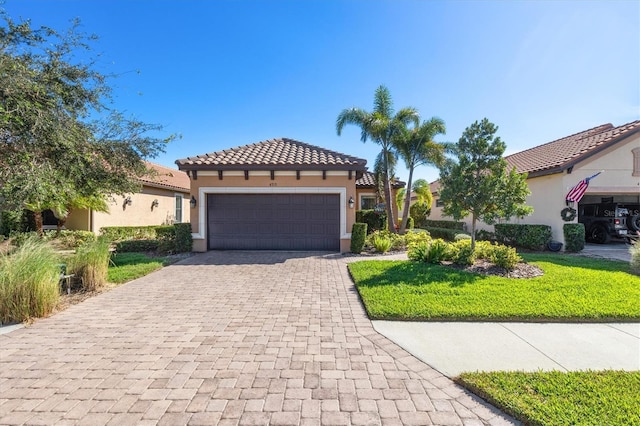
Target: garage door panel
274,221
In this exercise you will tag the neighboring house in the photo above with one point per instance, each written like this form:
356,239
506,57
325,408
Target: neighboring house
278,194
555,167
367,196
163,199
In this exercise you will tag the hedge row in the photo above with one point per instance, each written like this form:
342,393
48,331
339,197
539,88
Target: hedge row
174,238
375,221
532,237
446,234
446,224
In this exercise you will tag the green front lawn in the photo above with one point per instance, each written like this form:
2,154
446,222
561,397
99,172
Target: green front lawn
125,267
572,289
556,398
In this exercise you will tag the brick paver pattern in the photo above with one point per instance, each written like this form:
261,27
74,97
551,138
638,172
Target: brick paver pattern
226,338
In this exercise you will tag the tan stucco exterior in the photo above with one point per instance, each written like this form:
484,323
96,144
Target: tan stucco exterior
259,181
548,191
370,192
139,213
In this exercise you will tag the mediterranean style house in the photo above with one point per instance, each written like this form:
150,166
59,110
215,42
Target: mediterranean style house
278,194
555,167
163,199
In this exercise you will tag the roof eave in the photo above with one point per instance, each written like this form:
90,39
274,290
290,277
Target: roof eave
355,167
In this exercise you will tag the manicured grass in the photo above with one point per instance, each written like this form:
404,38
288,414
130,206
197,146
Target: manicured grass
572,289
556,398
129,266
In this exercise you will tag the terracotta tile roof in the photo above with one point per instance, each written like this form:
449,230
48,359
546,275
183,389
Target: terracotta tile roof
165,177
281,153
559,155
368,180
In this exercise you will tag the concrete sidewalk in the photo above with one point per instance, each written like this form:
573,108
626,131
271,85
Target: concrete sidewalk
454,347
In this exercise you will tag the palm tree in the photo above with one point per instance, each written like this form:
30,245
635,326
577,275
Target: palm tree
416,147
380,125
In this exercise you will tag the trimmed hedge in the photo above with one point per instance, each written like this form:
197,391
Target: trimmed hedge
183,238
447,234
445,224
120,233
134,246
358,236
574,236
532,237
375,221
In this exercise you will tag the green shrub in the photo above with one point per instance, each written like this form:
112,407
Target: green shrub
439,251
91,263
532,237
358,236
415,237
166,236
397,240
410,223
375,221
483,250
462,254
69,240
419,213
183,238
505,257
29,281
447,224
444,233
381,243
120,233
418,251
635,258
10,221
20,238
484,235
136,246
574,236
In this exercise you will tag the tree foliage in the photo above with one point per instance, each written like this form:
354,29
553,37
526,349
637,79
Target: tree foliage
417,147
380,125
477,182
60,140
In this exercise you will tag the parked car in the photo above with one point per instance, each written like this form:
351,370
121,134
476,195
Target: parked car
603,221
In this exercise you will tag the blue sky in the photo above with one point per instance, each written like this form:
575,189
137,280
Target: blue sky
229,73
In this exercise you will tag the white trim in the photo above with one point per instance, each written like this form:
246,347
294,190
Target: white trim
204,191
175,207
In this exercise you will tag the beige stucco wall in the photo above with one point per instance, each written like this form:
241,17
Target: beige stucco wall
548,192
260,182
139,213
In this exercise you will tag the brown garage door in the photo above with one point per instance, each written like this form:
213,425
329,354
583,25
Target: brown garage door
274,221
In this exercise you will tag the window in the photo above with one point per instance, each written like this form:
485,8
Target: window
178,216
636,161
367,202
439,203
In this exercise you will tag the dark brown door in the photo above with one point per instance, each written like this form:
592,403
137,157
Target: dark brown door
274,221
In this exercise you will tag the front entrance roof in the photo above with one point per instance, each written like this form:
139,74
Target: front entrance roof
274,154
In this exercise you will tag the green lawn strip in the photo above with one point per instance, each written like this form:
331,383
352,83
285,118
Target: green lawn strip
572,289
558,398
129,266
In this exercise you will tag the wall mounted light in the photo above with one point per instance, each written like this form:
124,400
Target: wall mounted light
193,202
154,203
351,202
127,202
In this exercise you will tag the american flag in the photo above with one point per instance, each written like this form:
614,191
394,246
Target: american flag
576,193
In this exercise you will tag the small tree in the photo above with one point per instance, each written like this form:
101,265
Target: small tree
477,182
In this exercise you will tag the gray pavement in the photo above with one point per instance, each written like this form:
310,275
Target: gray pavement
455,347
226,338
615,250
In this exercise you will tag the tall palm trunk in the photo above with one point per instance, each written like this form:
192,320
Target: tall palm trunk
407,204
387,193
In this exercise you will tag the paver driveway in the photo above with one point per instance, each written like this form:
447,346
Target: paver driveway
225,338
